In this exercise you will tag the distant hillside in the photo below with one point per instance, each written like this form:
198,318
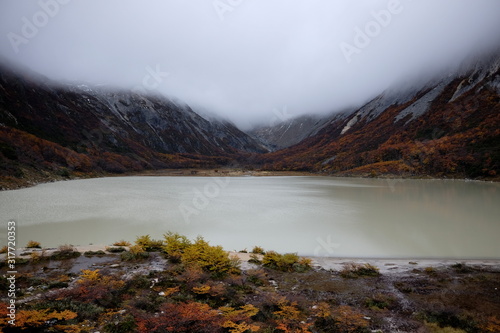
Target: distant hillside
289,132
69,130
448,128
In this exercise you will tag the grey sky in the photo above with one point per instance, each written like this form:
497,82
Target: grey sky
245,58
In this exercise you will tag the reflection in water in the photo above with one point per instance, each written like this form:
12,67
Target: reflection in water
310,215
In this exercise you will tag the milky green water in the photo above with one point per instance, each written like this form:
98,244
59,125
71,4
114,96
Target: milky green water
320,216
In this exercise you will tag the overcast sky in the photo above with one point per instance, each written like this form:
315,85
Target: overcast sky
248,60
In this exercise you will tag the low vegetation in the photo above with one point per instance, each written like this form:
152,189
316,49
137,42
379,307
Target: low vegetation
288,262
122,243
65,252
33,245
192,286
353,271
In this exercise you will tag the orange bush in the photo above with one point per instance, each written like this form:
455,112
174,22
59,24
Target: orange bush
179,318
348,320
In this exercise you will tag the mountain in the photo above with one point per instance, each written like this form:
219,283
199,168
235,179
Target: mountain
289,132
47,129
448,127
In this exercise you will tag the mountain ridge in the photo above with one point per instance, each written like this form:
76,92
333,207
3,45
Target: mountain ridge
53,129
446,127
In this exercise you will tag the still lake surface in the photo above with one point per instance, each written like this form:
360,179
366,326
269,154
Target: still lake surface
323,216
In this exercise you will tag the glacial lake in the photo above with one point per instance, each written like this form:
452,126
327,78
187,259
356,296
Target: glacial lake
321,216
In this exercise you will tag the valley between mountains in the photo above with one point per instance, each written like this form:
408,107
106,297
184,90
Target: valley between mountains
448,127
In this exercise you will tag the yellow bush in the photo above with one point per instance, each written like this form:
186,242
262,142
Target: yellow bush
349,320
174,245
36,318
212,259
204,289
89,275
288,262
149,244
137,250
258,250
122,243
33,245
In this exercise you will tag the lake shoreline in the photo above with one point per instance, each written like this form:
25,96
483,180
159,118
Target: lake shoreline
385,265
396,295
16,184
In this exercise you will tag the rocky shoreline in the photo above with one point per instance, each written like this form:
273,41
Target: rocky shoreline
393,295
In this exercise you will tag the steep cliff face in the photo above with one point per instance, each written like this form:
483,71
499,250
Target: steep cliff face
291,131
48,128
447,127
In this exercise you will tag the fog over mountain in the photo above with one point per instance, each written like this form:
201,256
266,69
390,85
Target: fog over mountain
249,61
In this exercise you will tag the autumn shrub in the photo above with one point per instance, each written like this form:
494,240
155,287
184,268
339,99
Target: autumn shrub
33,245
380,302
122,243
491,324
348,320
114,249
239,320
256,276
258,250
148,244
36,257
94,253
448,315
430,270
288,262
85,310
175,245
212,259
135,252
36,319
92,286
254,259
4,249
353,271
180,318
65,251
289,318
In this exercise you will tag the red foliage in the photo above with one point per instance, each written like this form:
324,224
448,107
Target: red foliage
184,317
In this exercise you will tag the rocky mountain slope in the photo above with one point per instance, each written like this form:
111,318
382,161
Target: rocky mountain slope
449,127
67,129
289,132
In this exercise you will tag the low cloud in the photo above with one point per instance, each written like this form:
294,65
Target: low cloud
242,59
